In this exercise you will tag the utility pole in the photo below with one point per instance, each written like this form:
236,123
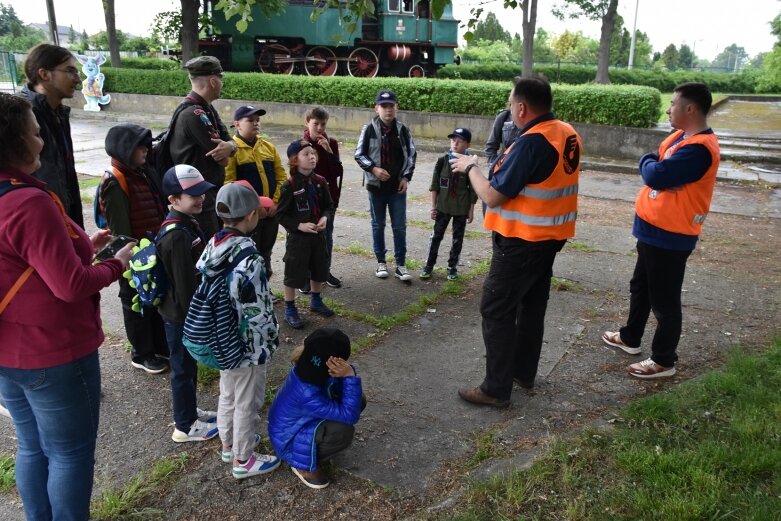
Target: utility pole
54,36
634,31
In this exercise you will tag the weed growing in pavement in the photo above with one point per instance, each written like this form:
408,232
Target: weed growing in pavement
121,504
485,448
354,213
7,479
355,248
706,449
559,284
580,246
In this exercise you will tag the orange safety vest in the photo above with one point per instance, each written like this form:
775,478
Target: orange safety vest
547,210
681,209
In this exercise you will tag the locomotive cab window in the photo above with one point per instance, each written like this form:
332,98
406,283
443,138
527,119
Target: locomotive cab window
407,6
393,6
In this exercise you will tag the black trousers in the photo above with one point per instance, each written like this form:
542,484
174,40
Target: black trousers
515,298
333,437
265,236
440,226
146,333
656,286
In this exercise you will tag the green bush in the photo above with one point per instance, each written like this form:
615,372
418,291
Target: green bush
738,83
602,104
148,63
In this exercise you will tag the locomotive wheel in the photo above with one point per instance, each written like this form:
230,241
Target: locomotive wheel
275,58
363,63
417,71
321,61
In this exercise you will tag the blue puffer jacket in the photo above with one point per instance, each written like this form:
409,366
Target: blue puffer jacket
299,408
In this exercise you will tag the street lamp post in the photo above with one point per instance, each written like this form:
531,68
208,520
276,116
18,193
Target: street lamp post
634,31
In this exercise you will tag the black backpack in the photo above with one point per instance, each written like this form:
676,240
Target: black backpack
159,158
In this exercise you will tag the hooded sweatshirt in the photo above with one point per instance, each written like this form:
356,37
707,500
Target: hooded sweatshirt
138,212
249,292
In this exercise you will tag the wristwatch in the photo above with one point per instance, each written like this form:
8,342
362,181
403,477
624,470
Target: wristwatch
468,168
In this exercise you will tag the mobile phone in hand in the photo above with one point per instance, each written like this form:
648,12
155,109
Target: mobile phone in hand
117,243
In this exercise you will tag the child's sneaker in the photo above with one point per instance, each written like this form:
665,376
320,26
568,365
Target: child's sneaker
316,479
226,454
206,416
452,273
306,290
382,270
256,464
292,318
426,273
199,431
319,307
401,273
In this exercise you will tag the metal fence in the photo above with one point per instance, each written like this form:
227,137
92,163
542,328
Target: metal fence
8,77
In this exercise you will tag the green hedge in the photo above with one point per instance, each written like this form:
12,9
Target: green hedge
148,63
664,80
602,104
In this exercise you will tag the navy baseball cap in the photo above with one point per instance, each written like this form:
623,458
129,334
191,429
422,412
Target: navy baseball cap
246,111
385,96
185,179
296,146
463,133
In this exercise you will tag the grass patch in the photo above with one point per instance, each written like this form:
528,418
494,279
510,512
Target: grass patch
121,504
354,213
485,448
580,246
7,478
91,182
706,449
559,284
207,375
355,248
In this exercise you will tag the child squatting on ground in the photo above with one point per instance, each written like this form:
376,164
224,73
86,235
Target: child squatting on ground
304,210
452,196
180,243
239,207
312,416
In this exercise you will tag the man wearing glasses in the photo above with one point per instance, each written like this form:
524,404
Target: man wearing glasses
52,76
198,136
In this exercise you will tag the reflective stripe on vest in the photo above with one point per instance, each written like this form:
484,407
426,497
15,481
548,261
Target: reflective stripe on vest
546,210
681,209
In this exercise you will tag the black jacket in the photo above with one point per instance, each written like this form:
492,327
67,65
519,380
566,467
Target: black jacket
58,168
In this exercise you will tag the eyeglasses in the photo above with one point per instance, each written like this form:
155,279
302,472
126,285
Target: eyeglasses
73,71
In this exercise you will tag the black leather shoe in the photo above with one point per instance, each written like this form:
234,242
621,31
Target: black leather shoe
476,396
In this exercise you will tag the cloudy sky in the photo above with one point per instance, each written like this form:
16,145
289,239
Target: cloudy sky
706,25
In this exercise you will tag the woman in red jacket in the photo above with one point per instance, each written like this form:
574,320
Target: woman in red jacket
50,327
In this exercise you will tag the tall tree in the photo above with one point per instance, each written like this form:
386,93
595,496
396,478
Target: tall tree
189,32
9,21
604,10
730,58
111,32
529,9
490,29
686,58
671,57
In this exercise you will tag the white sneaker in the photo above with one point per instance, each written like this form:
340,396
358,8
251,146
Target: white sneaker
650,369
3,410
401,273
256,464
199,431
226,454
382,270
206,416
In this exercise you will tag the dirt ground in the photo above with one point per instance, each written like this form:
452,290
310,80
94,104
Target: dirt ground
415,444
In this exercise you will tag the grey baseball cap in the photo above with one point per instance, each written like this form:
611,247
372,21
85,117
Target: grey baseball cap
236,200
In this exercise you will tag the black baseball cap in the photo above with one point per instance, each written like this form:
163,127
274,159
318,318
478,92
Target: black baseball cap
247,110
463,133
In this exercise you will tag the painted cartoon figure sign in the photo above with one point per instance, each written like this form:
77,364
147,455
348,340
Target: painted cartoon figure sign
92,86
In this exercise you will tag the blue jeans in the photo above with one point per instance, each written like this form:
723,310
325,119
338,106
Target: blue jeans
184,377
56,412
396,205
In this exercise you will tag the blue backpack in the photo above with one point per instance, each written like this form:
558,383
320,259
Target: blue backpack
211,329
146,273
